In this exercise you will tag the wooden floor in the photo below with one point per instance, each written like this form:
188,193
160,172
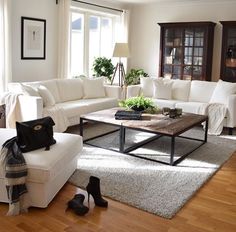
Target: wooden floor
213,208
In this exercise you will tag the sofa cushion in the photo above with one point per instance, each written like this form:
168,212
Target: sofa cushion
51,85
48,99
162,89
201,91
180,90
146,84
44,166
83,106
222,91
94,88
165,103
192,107
70,89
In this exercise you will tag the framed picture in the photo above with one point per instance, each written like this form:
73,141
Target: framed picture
33,38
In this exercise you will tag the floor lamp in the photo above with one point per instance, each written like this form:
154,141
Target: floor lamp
120,50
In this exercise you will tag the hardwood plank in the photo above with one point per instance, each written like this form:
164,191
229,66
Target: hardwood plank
213,208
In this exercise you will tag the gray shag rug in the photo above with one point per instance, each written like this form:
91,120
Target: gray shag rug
153,187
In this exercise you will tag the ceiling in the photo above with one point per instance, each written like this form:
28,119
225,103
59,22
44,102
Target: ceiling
138,1
167,1
149,1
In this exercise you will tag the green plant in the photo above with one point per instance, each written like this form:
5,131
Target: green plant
103,66
133,76
139,103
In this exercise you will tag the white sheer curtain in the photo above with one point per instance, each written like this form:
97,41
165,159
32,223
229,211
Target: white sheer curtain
122,36
63,38
125,25
125,16
5,48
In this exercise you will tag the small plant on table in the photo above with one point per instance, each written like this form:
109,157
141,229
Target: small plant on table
139,103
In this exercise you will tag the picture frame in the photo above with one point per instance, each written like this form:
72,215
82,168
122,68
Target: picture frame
33,38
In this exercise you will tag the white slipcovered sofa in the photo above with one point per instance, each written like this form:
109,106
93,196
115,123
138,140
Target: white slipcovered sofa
64,99
192,96
49,170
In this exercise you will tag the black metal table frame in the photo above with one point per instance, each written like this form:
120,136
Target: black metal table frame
139,144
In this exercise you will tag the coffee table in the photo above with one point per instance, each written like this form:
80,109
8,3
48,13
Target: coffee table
157,124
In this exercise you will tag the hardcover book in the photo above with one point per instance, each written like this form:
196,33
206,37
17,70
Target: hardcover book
128,115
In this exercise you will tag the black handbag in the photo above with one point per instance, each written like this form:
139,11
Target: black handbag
35,134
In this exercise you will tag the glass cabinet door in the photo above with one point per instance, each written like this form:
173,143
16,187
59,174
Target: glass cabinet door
184,50
228,54
172,56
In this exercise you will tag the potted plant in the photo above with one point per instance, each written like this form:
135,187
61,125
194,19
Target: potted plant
133,76
103,66
139,103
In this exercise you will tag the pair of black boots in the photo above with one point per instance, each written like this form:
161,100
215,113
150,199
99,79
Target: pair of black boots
92,188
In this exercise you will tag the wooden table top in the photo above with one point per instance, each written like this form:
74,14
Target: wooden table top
156,123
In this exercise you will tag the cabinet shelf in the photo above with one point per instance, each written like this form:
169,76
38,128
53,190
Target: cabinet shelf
230,63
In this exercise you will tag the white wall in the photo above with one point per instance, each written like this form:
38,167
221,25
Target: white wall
145,32
31,70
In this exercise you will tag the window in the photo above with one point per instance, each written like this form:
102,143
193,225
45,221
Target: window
77,43
92,35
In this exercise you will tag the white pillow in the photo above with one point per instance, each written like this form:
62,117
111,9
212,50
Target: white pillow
146,86
94,88
51,85
201,91
162,89
181,89
48,99
70,89
222,91
28,90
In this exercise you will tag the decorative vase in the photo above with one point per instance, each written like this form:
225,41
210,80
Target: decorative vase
138,108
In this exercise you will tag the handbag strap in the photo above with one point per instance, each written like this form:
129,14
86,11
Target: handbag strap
47,148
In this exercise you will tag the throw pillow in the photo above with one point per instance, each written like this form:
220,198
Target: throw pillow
48,99
28,90
181,89
94,88
70,89
146,86
162,89
51,85
222,91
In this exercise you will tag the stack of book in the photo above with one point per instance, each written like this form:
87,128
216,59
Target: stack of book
128,115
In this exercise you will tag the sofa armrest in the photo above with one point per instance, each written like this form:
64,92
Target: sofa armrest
30,107
133,91
114,91
231,114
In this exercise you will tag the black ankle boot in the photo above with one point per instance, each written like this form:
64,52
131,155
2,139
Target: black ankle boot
77,204
93,188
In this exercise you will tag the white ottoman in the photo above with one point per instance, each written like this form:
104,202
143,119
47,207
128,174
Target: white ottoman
49,170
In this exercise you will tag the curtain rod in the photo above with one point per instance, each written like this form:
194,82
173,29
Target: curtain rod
92,4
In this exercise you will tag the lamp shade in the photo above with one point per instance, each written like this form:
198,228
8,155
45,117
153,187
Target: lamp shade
121,50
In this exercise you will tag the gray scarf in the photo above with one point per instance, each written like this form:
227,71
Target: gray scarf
15,170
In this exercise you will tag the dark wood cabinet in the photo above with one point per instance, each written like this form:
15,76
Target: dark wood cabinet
228,52
186,50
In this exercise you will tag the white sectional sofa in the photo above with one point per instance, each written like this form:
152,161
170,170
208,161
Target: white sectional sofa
67,97
192,96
